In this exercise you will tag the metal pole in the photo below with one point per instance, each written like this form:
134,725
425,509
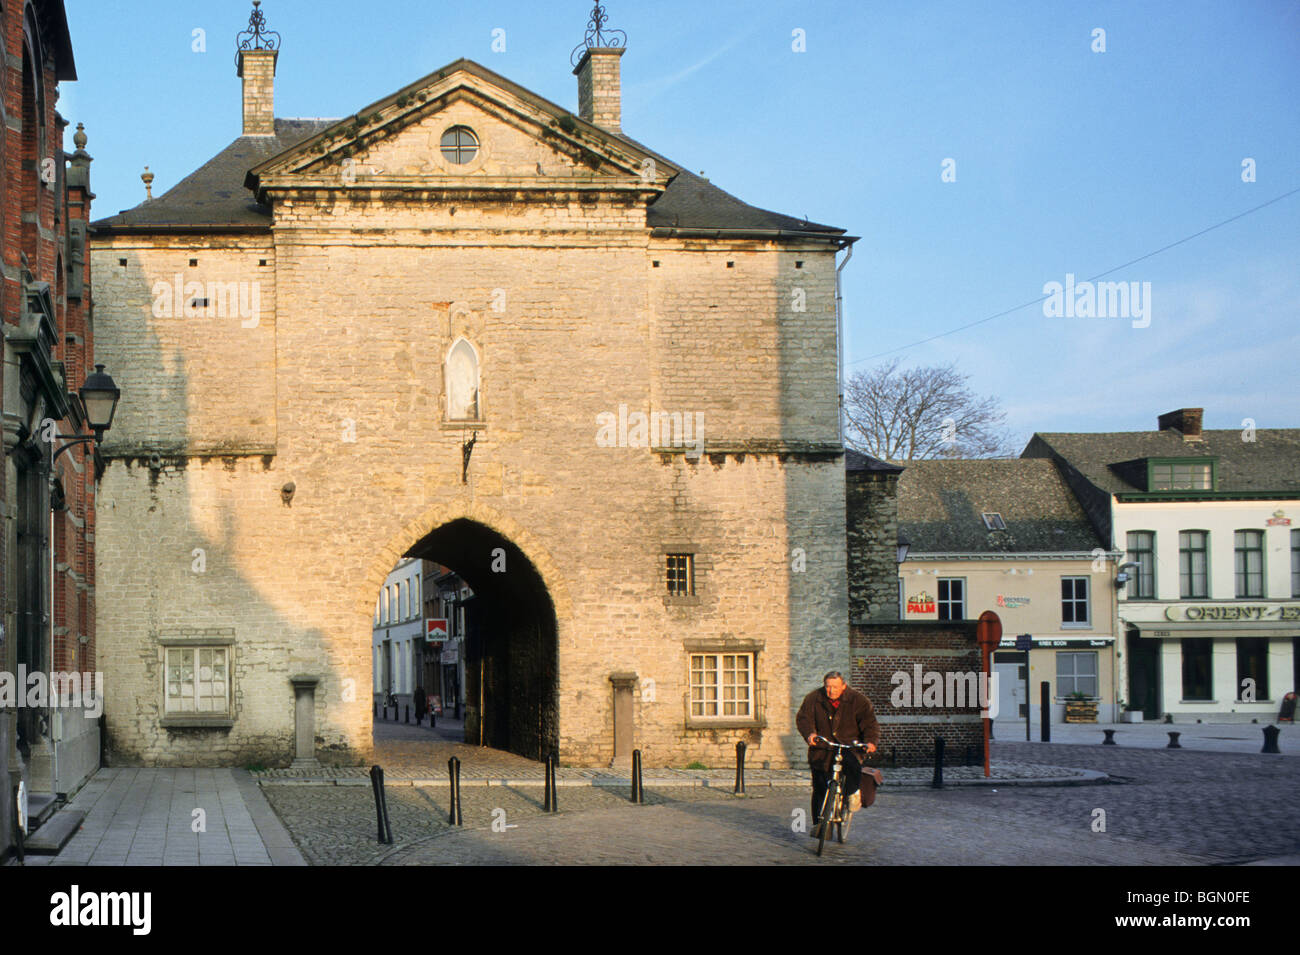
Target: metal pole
1029,710
740,768
381,805
1045,710
937,782
550,803
638,795
453,770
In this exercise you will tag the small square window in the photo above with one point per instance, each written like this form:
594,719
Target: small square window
993,521
122,262
194,263
681,574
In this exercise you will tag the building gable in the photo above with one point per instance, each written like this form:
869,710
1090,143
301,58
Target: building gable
523,143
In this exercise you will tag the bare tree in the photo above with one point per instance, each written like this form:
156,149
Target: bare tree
907,414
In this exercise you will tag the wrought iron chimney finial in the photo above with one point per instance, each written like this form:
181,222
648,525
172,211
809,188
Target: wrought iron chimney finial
257,36
597,36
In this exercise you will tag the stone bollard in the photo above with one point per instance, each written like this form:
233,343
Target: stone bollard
1110,738
1173,741
1271,734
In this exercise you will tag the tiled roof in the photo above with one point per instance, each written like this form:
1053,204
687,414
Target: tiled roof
857,461
940,504
1271,462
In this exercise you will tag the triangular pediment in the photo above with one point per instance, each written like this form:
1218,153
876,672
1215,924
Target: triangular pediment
523,142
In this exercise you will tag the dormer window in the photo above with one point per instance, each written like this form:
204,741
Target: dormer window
459,145
993,521
1181,475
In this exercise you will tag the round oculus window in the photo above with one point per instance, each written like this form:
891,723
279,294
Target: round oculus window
459,145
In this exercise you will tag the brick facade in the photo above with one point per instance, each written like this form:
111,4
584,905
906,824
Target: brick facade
882,650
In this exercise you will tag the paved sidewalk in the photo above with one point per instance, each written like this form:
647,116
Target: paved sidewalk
1205,737
147,817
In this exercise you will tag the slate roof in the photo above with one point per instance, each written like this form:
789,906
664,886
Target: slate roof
215,195
857,461
940,504
1269,463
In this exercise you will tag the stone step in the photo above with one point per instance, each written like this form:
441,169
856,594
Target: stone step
40,806
54,834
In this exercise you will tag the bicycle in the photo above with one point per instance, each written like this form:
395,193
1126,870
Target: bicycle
834,812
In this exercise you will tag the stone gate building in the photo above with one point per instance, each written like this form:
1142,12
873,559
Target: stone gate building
467,325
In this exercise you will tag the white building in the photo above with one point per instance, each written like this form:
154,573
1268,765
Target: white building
398,641
1207,520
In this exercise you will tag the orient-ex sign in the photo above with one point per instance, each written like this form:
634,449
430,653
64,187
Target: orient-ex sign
435,629
1239,612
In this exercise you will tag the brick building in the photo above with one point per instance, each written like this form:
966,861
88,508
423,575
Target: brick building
468,326
49,739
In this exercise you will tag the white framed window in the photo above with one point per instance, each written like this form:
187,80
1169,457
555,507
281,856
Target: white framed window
377,670
722,685
416,605
383,606
1074,602
197,681
1076,672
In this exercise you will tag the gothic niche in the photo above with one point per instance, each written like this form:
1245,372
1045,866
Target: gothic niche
462,381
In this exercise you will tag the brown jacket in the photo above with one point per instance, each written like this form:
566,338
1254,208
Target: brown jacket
854,719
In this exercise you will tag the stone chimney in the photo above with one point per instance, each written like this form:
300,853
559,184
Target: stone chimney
600,96
1186,421
256,55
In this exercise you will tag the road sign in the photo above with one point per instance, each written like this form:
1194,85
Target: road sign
435,629
1024,641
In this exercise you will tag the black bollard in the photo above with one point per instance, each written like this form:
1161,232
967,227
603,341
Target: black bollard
893,756
408,713
1173,741
937,782
381,805
374,710
453,771
549,801
1045,710
1110,738
740,769
1270,740
638,795
433,720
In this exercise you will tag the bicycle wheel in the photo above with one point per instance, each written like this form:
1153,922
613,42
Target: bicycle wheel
828,811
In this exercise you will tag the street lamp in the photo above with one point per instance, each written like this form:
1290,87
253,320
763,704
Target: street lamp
99,396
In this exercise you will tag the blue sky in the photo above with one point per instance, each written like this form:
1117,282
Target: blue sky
1067,160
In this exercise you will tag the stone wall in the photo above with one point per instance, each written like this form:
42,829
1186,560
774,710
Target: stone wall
871,505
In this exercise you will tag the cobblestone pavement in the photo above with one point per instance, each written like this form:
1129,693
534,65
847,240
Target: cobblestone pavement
1169,808
1212,737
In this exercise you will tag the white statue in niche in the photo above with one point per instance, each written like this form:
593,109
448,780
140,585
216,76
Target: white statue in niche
462,382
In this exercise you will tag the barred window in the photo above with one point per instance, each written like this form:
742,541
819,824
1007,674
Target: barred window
722,684
681,574
198,680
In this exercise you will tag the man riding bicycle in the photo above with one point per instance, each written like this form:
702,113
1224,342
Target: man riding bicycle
841,713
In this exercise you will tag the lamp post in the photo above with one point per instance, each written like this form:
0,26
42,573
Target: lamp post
99,396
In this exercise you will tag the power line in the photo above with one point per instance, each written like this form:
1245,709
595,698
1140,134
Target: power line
1042,298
